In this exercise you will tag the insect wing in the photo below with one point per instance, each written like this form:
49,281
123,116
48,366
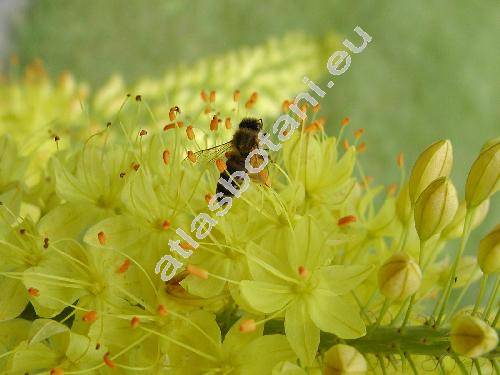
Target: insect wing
204,157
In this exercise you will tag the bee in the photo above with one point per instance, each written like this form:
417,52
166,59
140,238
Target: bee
243,142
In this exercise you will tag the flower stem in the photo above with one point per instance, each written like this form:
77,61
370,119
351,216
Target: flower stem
458,256
480,295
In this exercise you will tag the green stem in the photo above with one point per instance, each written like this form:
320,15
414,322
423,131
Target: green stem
492,299
458,256
480,295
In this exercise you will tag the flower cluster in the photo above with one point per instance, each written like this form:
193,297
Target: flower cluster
319,271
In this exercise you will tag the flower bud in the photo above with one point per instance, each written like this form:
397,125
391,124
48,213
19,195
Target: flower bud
456,228
399,277
435,208
436,161
483,179
344,359
472,337
403,205
488,255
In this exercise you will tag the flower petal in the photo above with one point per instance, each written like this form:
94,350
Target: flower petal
265,297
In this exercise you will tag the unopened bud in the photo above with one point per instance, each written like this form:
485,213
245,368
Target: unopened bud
456,228
472,337
344,359
488,255
436,161
399,277
484,176
435,208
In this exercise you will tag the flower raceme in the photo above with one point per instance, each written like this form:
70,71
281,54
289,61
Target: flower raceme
320,271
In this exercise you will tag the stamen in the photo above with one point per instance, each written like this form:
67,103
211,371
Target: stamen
136,166
108,361
33,292
166,157
124,266
180,124
345,144
191,156
228,123
343,221
345,121
197,271
248,325
162,311
102,238
303,272
135,322
254,97
221,166
142,133
212,96
171,114
90,317
236,95
316,108
190,132
57,371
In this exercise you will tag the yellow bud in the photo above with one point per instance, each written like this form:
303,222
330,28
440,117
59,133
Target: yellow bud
472,337
436,161
399,277
483,179
456,228
488,255
403,205
344,359
435,208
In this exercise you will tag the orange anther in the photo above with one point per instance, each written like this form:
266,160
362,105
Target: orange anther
362,147
221,166
345,144
228,123
162,311
171,114
143,132
358,133
285,106
190,132
254,97
400,159
135,322
168,127
214,123
185,245
124,266
57,371
208,197
203,95
346,220
345,121
33,292
249,104
102,238
197,271
303,272
236,95
166,157
391,189
108,361
212,96
316,108
166,224
248,325
191,156
90,317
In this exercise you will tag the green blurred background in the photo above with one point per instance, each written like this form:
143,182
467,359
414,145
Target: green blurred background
430,72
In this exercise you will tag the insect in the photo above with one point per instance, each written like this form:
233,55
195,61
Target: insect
244,141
